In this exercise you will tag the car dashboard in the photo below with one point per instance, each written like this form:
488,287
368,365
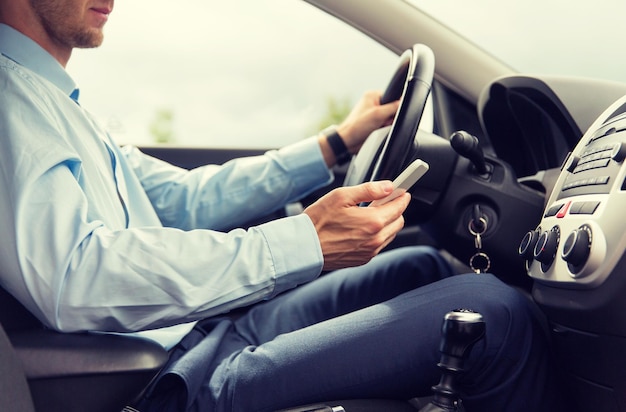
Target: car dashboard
575,252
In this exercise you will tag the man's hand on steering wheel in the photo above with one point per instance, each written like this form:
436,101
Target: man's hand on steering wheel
366,116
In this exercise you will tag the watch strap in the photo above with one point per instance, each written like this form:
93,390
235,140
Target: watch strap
339,148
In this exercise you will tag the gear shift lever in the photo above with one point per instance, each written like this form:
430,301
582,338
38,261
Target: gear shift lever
460,331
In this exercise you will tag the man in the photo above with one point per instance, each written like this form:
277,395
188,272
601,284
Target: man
99,238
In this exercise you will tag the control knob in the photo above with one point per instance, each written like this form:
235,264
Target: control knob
526,248
574,160
619,152
577,248
547,244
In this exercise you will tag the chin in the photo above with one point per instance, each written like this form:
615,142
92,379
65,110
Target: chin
89,39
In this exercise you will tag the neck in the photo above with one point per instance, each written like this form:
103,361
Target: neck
61,53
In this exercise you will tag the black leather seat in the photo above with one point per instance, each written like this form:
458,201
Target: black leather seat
14,392
69,372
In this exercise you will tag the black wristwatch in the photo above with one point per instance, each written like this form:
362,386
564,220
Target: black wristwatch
336,143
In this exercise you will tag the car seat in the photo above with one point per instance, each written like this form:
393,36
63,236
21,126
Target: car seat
14,392
69,371
44,370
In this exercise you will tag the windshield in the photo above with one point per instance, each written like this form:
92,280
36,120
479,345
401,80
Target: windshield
542,37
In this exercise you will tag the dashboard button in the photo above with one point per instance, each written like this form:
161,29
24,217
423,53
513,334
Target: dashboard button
563,211
575,208
584,208
573,163
553,210
589,208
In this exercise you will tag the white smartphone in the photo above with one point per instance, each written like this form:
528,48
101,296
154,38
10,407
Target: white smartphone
404,181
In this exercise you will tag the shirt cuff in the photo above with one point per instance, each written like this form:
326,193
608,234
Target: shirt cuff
306,164
295,250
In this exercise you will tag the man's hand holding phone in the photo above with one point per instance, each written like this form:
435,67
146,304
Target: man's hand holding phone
350,235
404,181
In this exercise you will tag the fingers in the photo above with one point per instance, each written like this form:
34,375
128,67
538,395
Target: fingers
390,232
350,235
384,111
388,111
390,219
369,232
370,191
366,192
366,116
380,113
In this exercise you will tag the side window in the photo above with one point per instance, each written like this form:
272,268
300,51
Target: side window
237,74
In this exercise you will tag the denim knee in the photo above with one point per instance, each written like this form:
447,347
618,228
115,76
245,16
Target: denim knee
510,369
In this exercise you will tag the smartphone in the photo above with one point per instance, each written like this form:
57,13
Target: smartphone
404,181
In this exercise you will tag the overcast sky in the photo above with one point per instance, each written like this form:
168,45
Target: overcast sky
549,36
163,54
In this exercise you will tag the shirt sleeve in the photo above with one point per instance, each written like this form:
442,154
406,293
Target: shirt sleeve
68,257
226,196
79,274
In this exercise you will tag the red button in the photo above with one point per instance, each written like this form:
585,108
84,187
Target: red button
563,211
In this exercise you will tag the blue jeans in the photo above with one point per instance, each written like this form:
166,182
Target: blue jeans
366,332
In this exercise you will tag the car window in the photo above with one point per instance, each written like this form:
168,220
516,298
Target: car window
542,37
238,74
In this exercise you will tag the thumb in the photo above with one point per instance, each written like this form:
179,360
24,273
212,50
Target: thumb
366,192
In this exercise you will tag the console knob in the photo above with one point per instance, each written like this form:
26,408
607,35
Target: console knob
577,247
574,160
547,244
619,152
527,246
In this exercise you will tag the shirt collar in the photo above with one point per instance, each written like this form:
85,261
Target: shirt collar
25,52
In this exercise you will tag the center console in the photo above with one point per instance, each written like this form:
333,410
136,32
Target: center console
576,258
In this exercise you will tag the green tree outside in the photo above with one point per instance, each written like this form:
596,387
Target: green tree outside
162,126
336,111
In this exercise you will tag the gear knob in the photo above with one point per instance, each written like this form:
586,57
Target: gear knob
460,331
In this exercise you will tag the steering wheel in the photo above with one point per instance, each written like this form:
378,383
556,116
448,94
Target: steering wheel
411,83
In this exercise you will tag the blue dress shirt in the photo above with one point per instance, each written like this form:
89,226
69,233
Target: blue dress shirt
98,238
